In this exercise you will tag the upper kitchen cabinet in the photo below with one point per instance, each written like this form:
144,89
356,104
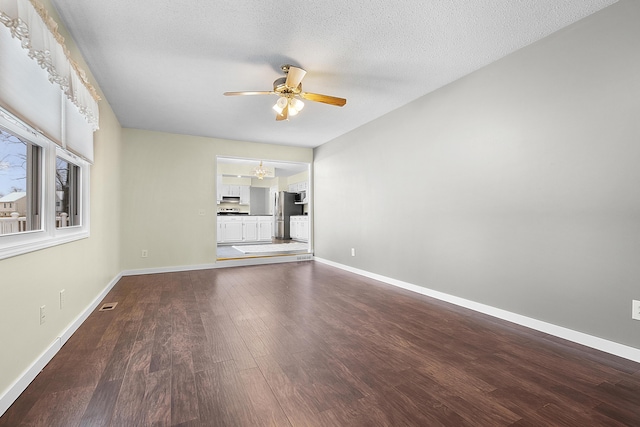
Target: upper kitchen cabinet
299,184
237,188
236,191
231,190
298,187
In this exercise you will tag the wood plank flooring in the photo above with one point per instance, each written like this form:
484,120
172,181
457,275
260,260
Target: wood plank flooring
305,344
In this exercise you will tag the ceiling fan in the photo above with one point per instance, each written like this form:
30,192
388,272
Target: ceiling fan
289,91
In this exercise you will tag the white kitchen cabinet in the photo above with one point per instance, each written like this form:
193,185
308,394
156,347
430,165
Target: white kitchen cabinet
242,191
233,232
230,190
294,226
220,233
235,229
304,230
264,228
298,187
230,229
250,229
299,228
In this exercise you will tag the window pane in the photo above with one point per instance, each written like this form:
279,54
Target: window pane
20,184
67,194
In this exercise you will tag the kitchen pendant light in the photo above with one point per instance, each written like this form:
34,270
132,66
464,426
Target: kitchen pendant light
260,172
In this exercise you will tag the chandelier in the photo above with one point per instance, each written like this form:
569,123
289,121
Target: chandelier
260,172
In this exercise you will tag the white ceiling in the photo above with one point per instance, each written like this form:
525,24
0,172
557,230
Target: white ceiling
164,64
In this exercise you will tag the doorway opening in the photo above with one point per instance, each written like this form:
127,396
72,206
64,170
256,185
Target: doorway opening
263,209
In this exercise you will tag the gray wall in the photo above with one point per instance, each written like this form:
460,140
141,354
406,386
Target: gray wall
259,201
516,186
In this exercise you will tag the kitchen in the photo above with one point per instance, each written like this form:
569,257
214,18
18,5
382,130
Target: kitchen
262,208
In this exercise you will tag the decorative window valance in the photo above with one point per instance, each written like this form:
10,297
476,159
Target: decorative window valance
30,23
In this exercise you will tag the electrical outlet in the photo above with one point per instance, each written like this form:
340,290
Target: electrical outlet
353,251
145,253
42,314
61,299
636,309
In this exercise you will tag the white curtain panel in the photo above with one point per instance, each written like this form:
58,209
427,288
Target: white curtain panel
40,83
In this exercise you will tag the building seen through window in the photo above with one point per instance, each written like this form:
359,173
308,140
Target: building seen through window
19,184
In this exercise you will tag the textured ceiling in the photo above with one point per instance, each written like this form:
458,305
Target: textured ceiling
164,64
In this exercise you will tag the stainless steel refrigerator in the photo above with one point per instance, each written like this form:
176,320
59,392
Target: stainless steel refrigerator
284,207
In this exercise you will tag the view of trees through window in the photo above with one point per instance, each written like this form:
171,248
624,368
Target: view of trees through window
66,193
13,169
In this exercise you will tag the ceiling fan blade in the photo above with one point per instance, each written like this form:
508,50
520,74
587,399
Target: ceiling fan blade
332,100
284,115
249,93
294,77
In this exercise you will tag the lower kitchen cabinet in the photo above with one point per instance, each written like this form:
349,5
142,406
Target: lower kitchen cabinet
299,228
250,231
237,229
265,225
230,229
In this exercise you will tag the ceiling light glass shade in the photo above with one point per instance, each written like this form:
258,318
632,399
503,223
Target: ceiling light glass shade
296,104
282,102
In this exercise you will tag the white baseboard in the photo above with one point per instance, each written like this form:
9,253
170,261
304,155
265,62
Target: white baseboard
16,389
174,269
66,334
241,262
607,346
236,262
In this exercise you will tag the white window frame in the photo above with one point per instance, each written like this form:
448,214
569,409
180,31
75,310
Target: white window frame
76,161
48,236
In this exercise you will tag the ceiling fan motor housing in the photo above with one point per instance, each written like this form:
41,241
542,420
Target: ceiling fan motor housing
280,87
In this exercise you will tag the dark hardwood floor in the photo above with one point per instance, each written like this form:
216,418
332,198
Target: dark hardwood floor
304,344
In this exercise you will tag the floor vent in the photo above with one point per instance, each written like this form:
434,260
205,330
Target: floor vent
108,306
305,257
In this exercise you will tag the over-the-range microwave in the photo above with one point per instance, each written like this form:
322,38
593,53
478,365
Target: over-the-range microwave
301,197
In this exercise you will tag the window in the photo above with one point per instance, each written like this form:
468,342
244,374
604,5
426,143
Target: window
43,190
20,184
67,193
